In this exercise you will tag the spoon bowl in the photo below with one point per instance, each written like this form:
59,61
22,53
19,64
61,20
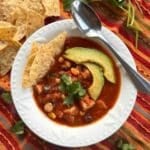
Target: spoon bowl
85,20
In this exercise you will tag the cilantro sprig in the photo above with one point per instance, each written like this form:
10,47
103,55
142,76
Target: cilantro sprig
73,90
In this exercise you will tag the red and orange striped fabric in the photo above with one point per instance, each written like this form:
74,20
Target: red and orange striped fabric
136,129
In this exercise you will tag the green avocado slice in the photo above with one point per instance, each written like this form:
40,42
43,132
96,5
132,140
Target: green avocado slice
98,80
81,55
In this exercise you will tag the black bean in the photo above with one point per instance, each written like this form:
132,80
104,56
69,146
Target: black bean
88,118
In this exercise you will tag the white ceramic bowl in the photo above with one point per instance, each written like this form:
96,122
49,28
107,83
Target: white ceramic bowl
59,134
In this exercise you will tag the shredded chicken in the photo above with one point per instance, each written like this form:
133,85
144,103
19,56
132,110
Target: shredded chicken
86,103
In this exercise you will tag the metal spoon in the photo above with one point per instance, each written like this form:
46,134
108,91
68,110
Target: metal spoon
88,23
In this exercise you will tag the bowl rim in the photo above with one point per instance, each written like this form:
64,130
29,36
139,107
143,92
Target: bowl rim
25,104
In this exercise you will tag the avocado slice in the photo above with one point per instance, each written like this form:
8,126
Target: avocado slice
81,55
98,80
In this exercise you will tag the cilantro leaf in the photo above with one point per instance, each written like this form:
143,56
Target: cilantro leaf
117,3
18,128
127,146
82,92
69,100
6,96
73,88
66,79
67,4
76,89
123,145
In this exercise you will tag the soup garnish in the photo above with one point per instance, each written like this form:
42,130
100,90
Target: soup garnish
73,90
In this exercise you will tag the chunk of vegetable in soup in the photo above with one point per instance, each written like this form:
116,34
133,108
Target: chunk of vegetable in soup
63,93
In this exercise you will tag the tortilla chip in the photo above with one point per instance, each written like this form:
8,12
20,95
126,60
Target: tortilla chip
28,26
35,23
43,60
4,23
52,7
35,5
7,30
26,79
6,13
12,2
27,15
3,45
21,33
7,56
12,14
43,7
20,16
27,21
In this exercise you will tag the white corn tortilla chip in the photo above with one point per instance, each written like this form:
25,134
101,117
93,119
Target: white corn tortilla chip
52,7
3,44
35,5
43,60
7,56
26,79
34,21
7,30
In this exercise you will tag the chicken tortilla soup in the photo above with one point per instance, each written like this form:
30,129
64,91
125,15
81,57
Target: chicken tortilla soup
81,84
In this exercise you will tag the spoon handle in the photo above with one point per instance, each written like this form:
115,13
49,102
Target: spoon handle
141,84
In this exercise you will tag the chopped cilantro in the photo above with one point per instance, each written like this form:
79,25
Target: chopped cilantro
6,96
65,82
18,128
69,100
66,79
74,90
123,145
67,4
